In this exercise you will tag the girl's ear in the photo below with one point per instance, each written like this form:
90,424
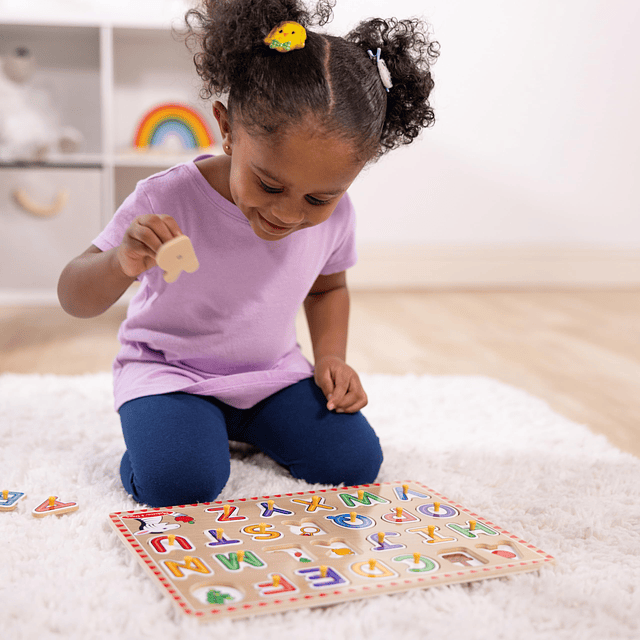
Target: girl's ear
222,116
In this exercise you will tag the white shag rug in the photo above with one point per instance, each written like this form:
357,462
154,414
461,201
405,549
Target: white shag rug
493,448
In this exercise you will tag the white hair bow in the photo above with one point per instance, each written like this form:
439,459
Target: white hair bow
383,70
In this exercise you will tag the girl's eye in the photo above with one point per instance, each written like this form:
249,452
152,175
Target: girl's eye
310,199
269,189
315,201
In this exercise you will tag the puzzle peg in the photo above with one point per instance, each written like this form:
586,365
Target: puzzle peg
472,525
380,538
416,558
323,571
398,513
436,507
219,534
360,494
240,555
262,527
405,488
352,516
315,501
52,501
5,494
431,530
172,539
372,564
270,505
276,580
227,510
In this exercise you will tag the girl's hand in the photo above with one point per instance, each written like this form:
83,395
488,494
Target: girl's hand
145,235
340,384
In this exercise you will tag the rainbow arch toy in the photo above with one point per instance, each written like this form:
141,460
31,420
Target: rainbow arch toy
173,119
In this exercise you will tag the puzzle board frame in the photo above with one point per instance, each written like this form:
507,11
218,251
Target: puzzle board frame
345,560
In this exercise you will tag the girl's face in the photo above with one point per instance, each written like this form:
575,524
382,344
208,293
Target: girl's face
284,184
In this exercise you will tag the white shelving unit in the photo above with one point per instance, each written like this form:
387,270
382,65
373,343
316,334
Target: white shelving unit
102,77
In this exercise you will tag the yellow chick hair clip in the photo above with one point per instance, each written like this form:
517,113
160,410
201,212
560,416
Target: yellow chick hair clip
287,36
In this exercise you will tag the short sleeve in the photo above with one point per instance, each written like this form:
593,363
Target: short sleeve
344,255
136,204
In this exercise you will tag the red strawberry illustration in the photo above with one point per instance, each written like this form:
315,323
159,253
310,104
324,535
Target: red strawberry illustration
182,518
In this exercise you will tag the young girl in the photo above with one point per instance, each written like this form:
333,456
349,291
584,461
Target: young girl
213,357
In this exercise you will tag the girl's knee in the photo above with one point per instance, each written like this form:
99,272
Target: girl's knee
353,461
163,487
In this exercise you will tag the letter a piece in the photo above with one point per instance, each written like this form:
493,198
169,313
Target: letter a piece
50,506
176,256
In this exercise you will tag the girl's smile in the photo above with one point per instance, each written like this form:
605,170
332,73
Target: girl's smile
275,230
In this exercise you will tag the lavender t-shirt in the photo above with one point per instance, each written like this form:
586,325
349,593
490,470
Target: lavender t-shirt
227,330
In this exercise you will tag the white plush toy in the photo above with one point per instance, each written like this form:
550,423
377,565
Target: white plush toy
30,126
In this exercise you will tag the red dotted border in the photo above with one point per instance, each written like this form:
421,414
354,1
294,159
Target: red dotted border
169,586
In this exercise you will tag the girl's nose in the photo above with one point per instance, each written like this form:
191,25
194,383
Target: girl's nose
287,215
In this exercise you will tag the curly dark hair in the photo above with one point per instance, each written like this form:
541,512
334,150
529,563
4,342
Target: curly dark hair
331,79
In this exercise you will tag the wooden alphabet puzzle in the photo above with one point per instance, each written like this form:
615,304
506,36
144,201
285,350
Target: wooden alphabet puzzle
273,553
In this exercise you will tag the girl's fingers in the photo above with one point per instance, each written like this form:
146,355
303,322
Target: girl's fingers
325,382
171,225
341,389
354,400
153,231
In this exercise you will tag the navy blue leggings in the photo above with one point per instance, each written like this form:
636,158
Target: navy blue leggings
178,444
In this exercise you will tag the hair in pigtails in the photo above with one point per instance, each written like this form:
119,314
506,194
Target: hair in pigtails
409,54
267,88
331,82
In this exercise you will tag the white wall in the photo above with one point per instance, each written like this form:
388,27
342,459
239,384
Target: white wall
537,138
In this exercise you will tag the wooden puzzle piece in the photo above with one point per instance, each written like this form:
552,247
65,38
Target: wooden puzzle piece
383,541
219,539
189,564
226,513
417,563
261,532
277,585
400,516
352,520
373,569
171,542
52,506
176,256
312,505
9,499
238,560
322,577
430,534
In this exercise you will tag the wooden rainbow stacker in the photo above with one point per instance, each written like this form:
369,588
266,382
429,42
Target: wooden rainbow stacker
274,553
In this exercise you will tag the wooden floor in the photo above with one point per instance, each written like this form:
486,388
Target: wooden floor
579,351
